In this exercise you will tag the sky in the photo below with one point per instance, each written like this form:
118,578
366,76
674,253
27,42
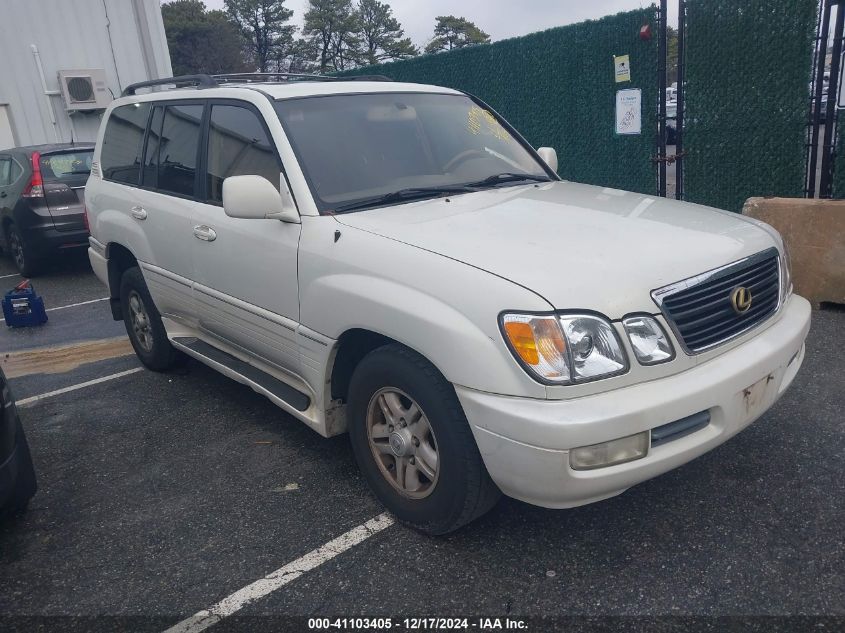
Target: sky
500,18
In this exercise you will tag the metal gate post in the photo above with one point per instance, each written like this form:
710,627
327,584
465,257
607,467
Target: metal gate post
661,96
825,184
820,57
679,117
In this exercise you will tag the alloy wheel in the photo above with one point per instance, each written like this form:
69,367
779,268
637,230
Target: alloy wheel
140,322
17,251
403,443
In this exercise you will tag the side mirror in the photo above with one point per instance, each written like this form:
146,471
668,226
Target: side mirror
255,198
549,155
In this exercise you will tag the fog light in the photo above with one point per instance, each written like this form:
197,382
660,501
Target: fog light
625,449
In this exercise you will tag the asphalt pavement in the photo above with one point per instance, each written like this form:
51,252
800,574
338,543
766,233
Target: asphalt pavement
162,494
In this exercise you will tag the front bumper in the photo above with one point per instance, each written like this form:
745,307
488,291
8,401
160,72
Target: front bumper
525,442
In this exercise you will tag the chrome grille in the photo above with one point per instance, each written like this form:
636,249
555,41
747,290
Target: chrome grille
700,311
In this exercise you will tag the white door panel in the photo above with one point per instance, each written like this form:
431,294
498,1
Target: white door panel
245,284
167,226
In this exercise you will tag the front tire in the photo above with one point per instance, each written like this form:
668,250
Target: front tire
413,443
143,323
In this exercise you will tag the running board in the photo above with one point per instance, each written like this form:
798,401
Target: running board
213,356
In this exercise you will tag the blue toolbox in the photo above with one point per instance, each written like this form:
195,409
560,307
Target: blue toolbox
22,307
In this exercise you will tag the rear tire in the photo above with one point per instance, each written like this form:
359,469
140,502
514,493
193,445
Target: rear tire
21,254
143,323
435,481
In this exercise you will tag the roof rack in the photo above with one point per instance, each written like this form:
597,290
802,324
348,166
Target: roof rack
212,81
270,77
200,81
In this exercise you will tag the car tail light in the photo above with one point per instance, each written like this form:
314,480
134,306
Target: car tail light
35,188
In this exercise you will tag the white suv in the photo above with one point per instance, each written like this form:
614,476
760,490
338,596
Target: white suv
395,261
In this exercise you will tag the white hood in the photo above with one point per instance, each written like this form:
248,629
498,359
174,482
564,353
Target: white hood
578,246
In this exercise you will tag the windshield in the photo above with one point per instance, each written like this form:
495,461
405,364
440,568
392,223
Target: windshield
358,150
66,165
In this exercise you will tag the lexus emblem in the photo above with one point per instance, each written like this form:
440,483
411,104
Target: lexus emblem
741,300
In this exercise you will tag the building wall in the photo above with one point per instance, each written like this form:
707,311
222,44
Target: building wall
125,38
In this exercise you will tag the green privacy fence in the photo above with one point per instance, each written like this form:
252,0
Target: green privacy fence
748,71
838,189
557,87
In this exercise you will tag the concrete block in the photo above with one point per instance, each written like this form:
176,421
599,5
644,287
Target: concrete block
814,232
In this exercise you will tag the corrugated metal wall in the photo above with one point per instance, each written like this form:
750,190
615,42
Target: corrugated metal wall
123,37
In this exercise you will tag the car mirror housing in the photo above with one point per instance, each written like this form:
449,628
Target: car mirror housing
549,156
253,197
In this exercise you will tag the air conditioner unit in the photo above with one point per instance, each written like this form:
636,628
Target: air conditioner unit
84,89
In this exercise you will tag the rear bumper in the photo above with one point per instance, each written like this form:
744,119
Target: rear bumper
525,443
100,265
99,262
45,240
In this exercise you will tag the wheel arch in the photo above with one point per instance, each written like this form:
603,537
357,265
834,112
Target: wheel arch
120,259
351,348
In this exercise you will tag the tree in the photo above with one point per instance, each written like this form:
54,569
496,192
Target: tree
671,54
333,27
301,58
262,24
381,33
451,32
201,41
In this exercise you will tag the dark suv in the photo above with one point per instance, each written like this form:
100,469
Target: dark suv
17,476
42,201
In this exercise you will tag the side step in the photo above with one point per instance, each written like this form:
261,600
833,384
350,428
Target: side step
281,390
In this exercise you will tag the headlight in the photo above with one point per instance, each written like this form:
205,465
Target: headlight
650,343
565,349
785,273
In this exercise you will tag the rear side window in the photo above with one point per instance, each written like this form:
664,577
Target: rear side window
120,158
177,149
17,170
5,171
66,166
149,178
238,145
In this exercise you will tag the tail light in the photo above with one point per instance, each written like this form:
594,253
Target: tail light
35,188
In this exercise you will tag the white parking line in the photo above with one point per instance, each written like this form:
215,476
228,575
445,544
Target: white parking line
12,275
282,576
82,385
71,305
81,303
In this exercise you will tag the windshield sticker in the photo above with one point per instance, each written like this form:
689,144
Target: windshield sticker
480,120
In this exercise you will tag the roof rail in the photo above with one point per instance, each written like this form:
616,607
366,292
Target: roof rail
270,77
211,81
200,81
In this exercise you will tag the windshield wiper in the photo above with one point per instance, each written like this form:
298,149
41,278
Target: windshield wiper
403,195
508,176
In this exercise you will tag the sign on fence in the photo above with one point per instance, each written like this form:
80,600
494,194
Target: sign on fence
629,111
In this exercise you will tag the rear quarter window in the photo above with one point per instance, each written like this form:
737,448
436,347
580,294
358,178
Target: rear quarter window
120,158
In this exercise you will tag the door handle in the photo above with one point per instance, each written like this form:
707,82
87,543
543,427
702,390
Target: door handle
205,233
139,213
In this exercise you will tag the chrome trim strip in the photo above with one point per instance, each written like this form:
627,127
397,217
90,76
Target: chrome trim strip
311,338
277,319
165,273
659,295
